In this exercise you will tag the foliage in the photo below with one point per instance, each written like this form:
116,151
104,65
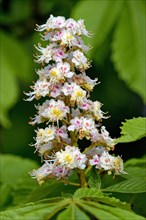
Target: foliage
118,39
126,21
23,199
132,130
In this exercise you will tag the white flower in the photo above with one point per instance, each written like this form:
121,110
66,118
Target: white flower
94,135
68,39
45,135
85,81
51,52
55,22
118,166
61,172
62,132
106,161
82,29
105,136
95,160
95,151
55,111
68,89
42,173
64,68
78,95
56,90
80,60
71,25
41,89
55,75
46,53
76,124
44,148
52,23
88,124
71,158
50,110
44,72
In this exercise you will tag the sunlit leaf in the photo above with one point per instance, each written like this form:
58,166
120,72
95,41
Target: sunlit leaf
9,91
15,62
16,56
31,211
73,213
5,191
15,168
132,130
134,172
138,162
87,192
104,212
132,185
98,18
129,46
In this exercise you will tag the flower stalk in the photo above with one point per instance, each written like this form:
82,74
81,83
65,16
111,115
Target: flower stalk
68,113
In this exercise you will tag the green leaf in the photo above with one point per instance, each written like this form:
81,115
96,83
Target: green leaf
16,56
50,189
129,46
94,180
138,162
104,212
15,168
9,91
132,185
15,61
33,211
96,195
5,191
135,172
86,192
98,213
73,213
98,18
17,14
132,130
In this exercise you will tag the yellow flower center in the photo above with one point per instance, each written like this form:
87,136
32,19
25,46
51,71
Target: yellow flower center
49,131
56,112
68,158
79,93
54,73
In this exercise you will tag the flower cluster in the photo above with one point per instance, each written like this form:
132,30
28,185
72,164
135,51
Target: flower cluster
68,112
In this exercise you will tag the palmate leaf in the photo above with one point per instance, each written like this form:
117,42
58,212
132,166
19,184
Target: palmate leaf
104,212
133,185
132,130
129,46
33,211
70,208
98,18
97,195
87,192
73,213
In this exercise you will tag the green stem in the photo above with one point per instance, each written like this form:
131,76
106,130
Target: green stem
82,178
70,183
88,169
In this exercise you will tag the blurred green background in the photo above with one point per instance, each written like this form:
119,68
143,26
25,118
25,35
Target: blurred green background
118,60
